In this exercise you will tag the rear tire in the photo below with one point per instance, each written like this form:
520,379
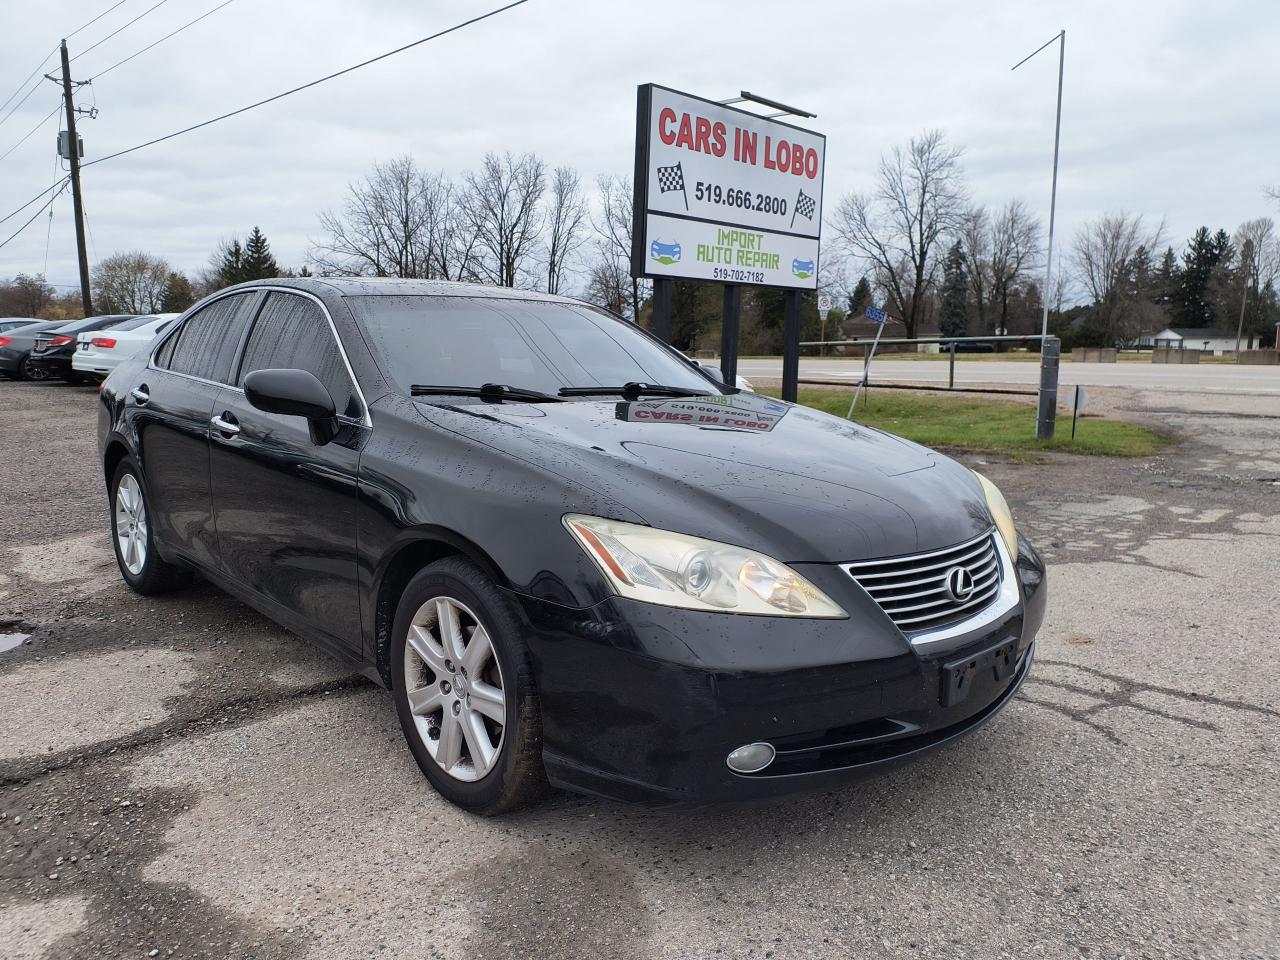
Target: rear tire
465,666
29,371
141,566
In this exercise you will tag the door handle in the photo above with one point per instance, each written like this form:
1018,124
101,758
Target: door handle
225,426
140,394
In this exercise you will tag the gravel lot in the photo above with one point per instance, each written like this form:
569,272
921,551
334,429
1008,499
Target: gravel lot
180,777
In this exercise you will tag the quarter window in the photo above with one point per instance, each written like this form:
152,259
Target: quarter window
205,344
292,333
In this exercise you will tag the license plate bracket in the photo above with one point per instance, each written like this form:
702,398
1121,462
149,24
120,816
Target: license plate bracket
959,676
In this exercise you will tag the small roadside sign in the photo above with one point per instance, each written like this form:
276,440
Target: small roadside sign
824,306
876,315
1081,401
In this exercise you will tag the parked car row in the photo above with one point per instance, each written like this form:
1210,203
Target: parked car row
78,350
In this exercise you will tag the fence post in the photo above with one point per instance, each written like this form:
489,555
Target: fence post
951,376
1048,412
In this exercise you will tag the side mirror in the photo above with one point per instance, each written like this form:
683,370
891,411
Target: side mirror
294,393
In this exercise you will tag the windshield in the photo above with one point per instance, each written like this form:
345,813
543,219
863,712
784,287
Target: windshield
470,341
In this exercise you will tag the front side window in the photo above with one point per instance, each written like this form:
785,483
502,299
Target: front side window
203,347
292,333
471,341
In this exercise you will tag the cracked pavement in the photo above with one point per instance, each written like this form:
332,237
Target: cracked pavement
179,775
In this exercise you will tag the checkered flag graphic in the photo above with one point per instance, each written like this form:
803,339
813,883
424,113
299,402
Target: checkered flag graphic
805,206
672,178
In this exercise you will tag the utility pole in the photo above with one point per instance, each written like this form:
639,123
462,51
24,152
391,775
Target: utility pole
73,149
1047,413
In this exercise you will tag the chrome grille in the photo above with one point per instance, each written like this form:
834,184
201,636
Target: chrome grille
914,590
41,343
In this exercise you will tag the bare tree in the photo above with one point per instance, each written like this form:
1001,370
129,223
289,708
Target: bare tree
975,244
613,231
1259,264
1103,259
566,222
133,282
609,285
1015,247
502,205
919,198
397,222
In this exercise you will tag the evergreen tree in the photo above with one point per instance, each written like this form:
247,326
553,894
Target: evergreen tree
229,262
860,299
954,321
1194,305
1168,276
178,294
258,262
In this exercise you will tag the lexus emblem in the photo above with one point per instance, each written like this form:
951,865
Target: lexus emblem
959,584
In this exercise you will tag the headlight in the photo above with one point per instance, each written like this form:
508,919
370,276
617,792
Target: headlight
1000,513
680,571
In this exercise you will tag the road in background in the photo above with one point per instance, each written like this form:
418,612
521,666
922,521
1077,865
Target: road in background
1226,378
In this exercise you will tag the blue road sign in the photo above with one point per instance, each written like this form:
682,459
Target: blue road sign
876,315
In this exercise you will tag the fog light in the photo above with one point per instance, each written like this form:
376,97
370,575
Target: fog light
751,758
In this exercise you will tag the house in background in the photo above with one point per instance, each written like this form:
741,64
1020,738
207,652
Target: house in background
1208,339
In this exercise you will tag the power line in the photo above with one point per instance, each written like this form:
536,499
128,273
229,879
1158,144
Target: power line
118,29
17,105
32,130
44,206
121,3
14,213
189,23
313,83
38,68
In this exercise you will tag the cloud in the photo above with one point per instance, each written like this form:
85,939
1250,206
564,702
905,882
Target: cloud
1167,109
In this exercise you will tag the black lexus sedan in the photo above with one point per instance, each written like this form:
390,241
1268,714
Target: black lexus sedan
52,350
571,555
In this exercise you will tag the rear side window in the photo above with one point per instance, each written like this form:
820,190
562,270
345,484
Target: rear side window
292,333
205,344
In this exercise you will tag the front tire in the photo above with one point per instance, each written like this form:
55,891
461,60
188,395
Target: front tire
131,536
464,691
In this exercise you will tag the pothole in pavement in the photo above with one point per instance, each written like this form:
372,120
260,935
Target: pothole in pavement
10,641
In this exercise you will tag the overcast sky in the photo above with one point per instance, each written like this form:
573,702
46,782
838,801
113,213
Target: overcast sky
1172,108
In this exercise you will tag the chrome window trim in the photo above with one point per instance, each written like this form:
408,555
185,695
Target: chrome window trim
1007,599
364,419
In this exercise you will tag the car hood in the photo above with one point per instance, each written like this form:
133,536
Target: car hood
744,469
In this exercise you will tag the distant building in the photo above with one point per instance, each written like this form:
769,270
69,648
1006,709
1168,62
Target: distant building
1209,339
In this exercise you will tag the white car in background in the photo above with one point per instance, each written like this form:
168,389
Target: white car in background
98,352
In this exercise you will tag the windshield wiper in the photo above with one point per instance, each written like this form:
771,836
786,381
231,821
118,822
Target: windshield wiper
633,390
489,391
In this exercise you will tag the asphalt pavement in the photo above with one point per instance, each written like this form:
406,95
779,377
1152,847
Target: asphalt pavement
1207,378
180,777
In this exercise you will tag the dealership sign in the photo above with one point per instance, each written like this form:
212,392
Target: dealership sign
724,195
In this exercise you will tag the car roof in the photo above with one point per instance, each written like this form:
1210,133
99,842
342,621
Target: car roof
396,287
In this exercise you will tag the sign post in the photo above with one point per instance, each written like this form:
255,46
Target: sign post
1081,401
824,308
876,316
727,196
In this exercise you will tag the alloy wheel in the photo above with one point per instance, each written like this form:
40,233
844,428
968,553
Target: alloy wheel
33,371
455,688
131,524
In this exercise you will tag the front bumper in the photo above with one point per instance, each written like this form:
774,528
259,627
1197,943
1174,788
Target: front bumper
644,703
